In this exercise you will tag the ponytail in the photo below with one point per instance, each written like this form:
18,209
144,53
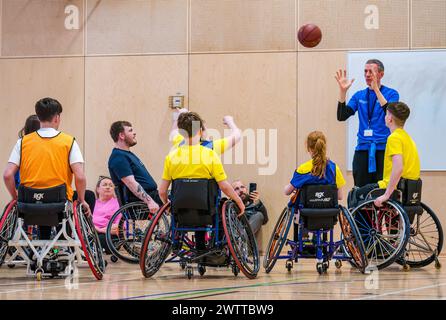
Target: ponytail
317,145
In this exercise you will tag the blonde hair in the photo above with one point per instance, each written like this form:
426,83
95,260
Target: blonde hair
317,145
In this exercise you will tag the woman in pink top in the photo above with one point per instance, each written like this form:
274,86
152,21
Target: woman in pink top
106,205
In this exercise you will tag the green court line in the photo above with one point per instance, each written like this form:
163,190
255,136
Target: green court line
216,290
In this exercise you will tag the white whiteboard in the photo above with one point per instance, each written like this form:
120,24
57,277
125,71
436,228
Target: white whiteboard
420,79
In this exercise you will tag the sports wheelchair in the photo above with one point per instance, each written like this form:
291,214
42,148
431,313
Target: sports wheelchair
317,209
71,230
195,207
134,217
404,230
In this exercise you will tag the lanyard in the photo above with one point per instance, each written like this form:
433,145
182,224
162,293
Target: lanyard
370,112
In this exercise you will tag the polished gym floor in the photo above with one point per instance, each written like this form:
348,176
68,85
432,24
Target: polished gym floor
125,281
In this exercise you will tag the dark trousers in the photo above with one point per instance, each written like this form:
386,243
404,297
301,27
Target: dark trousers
45,231
361,175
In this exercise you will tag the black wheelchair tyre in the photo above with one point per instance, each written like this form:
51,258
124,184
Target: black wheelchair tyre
157,236
353,245
8,225
241,240
436,245
125,248
278,239
402,239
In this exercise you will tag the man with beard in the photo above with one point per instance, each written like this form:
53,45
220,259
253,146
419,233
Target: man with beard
255,211
127,170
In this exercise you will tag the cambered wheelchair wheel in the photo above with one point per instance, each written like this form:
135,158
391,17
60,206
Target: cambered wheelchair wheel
278,239
90,241
352,241
157,242
125,243
425,241
241,241
384,231
8,224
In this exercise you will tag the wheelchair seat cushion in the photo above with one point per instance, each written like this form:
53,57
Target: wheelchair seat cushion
316,219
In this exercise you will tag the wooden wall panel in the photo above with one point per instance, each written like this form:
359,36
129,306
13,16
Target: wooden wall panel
259,90
429,23
318,93
233,25
23,82
37,28
136,27
343,23
135,89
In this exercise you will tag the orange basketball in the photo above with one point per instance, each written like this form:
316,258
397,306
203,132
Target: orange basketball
309,35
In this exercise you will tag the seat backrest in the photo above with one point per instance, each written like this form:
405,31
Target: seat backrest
194,201
319,206
319,196
411,191
43,207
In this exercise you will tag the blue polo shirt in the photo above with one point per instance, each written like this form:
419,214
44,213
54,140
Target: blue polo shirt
124,163
363,102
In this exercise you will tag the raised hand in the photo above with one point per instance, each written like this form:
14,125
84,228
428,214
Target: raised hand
341,78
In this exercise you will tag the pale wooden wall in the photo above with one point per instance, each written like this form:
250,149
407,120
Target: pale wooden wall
236,57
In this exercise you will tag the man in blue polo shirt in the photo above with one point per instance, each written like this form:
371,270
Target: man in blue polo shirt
371,103
126,168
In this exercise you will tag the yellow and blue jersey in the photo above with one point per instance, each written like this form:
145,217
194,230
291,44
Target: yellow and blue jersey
302,176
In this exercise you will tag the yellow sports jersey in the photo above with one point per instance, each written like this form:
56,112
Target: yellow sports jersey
302,176
193,162
219,145
44,162
399,142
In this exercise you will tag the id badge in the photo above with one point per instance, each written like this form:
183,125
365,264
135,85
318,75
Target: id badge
368,133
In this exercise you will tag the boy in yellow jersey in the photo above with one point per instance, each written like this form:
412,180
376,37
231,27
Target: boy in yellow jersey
192,160
47,158
401,158
218,145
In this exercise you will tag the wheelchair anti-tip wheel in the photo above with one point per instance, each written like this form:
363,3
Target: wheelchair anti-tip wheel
90,241
125,242
241,241
425,241
384,231
8,225
157,243
278,239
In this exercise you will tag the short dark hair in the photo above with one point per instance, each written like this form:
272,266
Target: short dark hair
117,127
32,124
186,120
47,109
377,62
400,111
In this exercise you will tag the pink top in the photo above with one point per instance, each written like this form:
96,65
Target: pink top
103,211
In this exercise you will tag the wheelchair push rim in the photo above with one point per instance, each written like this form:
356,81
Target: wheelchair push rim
241,241
278,239
384,231
133,223
8,222
156,243
89,240
425,241
352,240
